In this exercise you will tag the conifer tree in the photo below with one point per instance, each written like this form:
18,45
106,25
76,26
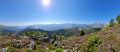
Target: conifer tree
111,23
54,36
118,19
82,33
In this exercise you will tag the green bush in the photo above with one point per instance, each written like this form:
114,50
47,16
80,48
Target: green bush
59,50
69,50
118,19
11,49
52,48
94,40
30,50
92,44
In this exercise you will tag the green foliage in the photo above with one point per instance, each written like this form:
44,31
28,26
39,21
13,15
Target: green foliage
52,48
60,36
94,40
82,33
9,34
23,34
59,50
1,33
36,33
11,49
111,23
68,33
45,35
118,19
54,36
69,50
92,44
30,50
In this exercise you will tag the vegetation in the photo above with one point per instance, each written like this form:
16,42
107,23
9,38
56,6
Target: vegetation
104,40
59,50
36,33
111,23
82,33
55,36
118,19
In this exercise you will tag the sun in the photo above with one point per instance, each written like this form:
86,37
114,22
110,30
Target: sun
45,2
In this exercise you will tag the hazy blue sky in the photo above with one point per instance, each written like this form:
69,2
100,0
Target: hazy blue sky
24,12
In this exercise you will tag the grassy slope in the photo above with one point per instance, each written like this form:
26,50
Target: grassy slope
110,40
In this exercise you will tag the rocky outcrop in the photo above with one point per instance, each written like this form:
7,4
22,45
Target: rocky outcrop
4,49
18,44
32,45
56,43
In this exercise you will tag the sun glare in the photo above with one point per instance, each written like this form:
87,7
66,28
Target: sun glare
45,2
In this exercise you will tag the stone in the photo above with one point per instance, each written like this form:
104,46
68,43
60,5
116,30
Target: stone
56,43
4,49
32,45
46,39
18,44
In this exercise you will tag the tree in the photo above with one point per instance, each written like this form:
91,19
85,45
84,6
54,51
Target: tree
118,19
54,36
82,33
9,34
28,33
111,23
23,34
60,36
1,33
45,35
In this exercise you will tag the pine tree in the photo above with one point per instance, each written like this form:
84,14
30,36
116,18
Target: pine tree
23,34
54,36
118,19
45,35
60,36
111,23
1,33
82,33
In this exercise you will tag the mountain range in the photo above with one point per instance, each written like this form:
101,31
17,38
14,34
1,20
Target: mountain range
48,27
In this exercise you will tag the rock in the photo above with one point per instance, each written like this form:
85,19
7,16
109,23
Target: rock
4,49
63,47
14,40
8,41
56,43
46,39
18,44
33,37
24,37
32,45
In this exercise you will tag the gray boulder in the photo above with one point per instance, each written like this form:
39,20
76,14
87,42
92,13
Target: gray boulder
32,45
18,44
4,49
56,43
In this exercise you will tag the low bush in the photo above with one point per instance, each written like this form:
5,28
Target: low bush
59,50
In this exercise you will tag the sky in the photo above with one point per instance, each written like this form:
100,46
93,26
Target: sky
28,12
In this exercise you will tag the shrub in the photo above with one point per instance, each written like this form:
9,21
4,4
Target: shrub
69,50
111,23
59,50
118,19
52,47
11,49
82,33
94,40
30,50
91,44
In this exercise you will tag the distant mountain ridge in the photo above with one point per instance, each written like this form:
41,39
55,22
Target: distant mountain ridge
68,26
48,27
